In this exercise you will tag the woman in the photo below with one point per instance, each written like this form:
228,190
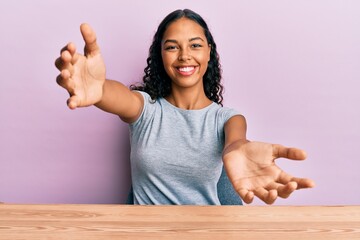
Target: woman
179,129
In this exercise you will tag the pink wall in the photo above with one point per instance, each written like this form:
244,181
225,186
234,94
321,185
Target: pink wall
291,67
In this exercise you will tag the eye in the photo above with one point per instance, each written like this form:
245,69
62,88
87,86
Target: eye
171,47
196,45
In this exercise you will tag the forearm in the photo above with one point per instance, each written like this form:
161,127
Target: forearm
235,136
119,100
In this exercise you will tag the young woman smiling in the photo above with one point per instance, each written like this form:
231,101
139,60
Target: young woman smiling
181,135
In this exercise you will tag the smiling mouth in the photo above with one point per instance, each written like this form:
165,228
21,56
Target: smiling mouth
186,71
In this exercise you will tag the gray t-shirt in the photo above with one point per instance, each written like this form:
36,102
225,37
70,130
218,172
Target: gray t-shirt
176,153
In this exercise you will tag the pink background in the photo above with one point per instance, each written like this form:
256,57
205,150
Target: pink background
291,67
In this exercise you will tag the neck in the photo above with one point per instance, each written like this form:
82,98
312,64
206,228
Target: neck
188,99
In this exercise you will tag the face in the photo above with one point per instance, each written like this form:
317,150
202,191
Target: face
185,53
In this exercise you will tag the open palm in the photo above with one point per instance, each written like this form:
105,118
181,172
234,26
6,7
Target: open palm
82,76
252,170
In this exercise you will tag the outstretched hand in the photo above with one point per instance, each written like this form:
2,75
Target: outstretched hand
82,76
252,170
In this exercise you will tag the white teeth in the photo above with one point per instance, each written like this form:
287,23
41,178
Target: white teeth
186,69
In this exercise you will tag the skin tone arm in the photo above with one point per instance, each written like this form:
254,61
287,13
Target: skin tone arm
83,76
251,166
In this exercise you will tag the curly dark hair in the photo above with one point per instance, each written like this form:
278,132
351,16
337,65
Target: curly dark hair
157,83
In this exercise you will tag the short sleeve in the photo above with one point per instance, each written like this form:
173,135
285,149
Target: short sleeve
223,115
226,113
147,108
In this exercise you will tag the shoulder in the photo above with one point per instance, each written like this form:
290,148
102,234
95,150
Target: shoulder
235,129
143,95
225,113
149,106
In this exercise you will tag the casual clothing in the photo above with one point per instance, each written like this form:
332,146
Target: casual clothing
176,153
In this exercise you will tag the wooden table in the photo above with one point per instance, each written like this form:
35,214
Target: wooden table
178,222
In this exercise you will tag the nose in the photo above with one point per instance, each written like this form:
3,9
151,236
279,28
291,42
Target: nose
184,55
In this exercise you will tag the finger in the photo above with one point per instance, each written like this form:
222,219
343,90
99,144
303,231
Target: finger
75,58
303,182
89,36
71,48
65,75
266,196
286,190
73,102
280,151
246,195
63,59
285,178
64,81
65,48
59,63
59,80
67,59
72,51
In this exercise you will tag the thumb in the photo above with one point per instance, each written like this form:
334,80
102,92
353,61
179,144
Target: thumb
280,151
73,102
89,36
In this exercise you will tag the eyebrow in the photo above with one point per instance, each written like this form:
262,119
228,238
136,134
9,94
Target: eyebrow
190,40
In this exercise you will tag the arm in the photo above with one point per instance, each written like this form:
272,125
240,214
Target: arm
83,76
119,100
235,133
251,166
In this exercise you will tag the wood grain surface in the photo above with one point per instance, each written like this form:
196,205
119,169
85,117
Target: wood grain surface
178,222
